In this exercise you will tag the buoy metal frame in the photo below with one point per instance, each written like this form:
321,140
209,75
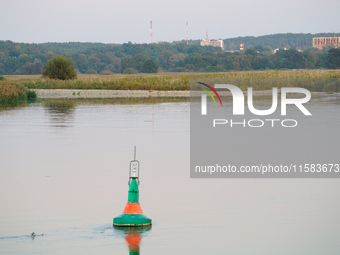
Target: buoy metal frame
132,215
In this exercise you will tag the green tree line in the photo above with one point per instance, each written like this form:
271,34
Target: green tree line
287,40
24,58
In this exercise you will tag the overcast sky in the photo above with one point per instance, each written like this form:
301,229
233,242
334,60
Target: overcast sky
129,20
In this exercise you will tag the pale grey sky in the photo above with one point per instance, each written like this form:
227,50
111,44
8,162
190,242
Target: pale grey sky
122,21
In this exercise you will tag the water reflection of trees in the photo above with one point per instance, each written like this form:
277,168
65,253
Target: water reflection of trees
5,107
133,237
132,100
61,112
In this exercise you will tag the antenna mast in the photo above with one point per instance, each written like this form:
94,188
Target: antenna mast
206,32
151,35
187,34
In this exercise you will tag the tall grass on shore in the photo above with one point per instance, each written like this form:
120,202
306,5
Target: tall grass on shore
129,83
13,94
259,84
165,81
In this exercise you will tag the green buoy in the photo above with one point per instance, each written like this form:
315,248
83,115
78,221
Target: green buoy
132,215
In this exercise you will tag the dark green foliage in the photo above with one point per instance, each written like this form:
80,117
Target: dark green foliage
29,68
333,59
251,51
209,59
139,60
243,62
136,62
178,69
106,72
165,59
209,69
261,63
31,96
194,59
91,71
128,62
2,78
80,62
25,59
59,67
227,63
130,71
150,66
290,59
179,63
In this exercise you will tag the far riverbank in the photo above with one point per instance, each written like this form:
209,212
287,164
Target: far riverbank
101,94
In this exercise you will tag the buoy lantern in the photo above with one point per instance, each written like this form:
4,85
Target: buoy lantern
132,215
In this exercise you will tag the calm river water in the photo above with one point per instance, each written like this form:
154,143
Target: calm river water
64,174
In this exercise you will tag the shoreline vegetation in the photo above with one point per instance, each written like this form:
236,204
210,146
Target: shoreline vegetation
16,88
15,94
56,102
160,81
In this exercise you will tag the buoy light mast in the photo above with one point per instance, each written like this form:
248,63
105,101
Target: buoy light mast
132,215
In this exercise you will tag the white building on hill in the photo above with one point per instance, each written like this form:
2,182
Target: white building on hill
214,43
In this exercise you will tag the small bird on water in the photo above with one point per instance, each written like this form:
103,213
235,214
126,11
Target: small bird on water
33,234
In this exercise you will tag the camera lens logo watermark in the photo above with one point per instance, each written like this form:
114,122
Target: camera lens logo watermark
239,103
264,127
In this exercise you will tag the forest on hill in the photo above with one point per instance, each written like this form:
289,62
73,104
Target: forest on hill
25,58
288,40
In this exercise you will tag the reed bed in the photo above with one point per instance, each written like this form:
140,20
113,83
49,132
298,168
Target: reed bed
260,84
70,103
167,81
12,93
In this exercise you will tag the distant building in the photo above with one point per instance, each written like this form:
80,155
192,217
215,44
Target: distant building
214,43
321,42
277,49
